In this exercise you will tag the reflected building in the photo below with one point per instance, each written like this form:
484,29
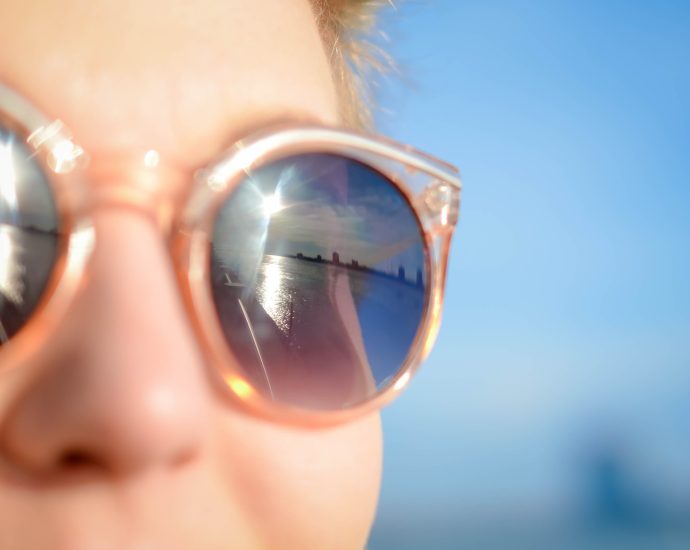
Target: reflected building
399,275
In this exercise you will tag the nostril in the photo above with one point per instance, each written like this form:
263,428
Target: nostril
77,460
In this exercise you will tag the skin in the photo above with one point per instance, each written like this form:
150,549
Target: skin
114,435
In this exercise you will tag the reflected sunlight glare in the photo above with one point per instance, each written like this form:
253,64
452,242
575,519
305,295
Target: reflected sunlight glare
271,204
8,189
10,269
402,381
273,296
64,155
240,387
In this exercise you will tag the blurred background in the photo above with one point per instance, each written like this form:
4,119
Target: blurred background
554,411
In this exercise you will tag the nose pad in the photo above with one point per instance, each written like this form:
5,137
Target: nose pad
122,387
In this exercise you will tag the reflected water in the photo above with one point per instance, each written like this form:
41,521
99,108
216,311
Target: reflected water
323,334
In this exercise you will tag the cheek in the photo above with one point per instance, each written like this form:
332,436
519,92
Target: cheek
313,488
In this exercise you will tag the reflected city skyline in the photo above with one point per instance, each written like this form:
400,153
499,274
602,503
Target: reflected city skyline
316,205
399,275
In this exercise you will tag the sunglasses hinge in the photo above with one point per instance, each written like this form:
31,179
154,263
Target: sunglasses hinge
439,203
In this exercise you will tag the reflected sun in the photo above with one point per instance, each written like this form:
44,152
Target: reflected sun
271,204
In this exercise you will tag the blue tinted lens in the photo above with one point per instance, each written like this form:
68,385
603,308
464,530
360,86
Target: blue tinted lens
319,277
28,234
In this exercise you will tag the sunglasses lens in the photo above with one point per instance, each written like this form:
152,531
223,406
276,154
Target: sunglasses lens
28,234
319,278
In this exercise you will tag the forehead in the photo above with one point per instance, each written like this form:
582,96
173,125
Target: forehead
185,78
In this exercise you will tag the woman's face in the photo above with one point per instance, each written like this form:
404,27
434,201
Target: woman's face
114,436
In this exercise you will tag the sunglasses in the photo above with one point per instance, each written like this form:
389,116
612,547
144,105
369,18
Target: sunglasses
312,260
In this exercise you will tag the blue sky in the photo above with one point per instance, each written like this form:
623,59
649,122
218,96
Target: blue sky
567,322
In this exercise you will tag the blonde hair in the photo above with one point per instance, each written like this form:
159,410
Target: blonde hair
348,30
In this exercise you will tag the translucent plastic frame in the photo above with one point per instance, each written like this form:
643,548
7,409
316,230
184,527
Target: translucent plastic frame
431,187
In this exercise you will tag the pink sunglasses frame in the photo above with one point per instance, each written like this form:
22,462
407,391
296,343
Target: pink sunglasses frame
432,188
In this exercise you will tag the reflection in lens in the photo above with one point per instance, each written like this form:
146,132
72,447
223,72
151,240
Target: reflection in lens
28,234
319,280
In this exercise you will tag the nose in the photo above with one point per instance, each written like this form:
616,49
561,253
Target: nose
122,386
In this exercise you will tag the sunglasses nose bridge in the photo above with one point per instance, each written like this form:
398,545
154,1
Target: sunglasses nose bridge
147,187
150,205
